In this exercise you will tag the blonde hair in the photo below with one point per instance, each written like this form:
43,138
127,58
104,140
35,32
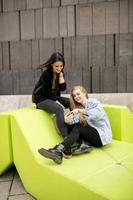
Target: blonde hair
74,104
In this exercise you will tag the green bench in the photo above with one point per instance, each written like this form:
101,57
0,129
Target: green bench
105,173
6,156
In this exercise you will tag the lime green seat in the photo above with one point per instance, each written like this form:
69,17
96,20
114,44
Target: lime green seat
121,119
105,173
6,158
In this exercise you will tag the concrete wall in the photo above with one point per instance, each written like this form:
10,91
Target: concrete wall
96,37
11,102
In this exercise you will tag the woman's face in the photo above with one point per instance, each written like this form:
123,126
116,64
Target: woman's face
79,96
57,66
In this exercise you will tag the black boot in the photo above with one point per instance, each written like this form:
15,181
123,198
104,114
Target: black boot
82,148
55,153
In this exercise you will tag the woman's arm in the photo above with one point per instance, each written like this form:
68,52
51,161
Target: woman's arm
62,83
79,110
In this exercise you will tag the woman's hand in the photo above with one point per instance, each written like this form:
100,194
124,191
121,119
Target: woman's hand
61,78
61,75
76,111
68,118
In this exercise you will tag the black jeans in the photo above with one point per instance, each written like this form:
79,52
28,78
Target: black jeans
87,133
53,107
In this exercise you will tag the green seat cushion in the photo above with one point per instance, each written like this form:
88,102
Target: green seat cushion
6,159
92,175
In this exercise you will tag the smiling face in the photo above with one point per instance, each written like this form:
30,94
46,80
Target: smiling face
79,96
57,67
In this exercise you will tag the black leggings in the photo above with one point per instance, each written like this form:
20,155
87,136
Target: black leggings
53,107
87,133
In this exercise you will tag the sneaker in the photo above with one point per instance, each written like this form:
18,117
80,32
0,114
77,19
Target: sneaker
83,148
67,153
53,154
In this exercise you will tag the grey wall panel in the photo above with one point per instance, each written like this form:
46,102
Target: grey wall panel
98,50
69,2
71,20
11,5
6,56
37,74
116,49
26,81
84,19
63,21
58,45
21,54
109,50
86,79
1,61
82,52
35,54
6,82
73,78
112,17
38,24
31,4
99,18
67,53
130,16
9,26
8,5
55,3
51,22
27,25
96,79
19,4
122,79
16,81
109,79
126,49
47,47
130,78
124,16
74,57
90,39
47,3
83,1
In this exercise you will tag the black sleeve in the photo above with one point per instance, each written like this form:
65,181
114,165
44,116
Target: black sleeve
62,86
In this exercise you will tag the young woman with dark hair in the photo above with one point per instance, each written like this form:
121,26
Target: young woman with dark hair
47,92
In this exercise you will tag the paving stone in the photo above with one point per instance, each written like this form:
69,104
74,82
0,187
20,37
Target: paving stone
4,190
17,186
21,197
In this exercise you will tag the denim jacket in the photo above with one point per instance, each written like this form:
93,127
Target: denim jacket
97,118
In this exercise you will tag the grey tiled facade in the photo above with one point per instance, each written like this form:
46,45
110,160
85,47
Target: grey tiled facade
95,36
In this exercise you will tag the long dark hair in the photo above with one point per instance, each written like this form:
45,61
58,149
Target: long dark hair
56,56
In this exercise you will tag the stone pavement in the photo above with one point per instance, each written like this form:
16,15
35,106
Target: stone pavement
11,187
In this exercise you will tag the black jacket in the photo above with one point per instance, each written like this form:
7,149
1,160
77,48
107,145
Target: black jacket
43,88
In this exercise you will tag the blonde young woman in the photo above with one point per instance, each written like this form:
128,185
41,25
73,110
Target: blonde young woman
87,120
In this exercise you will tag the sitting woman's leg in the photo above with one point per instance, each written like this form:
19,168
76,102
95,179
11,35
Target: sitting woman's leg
56,153
53,107
91,135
